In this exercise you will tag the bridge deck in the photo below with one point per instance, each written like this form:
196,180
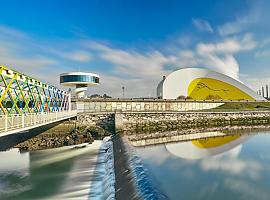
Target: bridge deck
18,123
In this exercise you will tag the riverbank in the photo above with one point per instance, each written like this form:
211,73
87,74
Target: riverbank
149,122
65,134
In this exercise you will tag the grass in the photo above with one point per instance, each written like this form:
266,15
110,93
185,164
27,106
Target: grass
243,106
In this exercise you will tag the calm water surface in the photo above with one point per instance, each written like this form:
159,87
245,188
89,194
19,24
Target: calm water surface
231,167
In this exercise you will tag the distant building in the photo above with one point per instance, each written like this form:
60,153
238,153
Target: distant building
80,80
201,84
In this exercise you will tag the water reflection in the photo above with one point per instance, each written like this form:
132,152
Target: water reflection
229,167
206,147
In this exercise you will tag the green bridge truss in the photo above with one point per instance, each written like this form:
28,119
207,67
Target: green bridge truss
21,94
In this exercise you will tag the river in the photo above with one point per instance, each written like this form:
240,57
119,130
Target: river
230,167
62,173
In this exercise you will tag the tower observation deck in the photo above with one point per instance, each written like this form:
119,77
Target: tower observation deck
80,80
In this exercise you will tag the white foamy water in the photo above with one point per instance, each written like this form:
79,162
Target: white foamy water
64,173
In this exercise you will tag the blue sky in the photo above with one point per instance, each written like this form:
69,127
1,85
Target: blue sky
134,43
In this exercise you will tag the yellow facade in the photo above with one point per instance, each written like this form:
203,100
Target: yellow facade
208,88
215,142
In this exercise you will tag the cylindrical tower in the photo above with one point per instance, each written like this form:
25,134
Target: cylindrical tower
80,80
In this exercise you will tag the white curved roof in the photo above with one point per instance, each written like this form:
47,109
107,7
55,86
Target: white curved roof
79,73
177,83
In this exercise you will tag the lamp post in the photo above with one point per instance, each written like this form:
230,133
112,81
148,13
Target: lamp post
123,88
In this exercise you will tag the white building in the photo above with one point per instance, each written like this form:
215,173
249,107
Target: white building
201,84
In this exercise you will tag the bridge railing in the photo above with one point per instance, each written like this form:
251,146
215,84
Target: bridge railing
8,123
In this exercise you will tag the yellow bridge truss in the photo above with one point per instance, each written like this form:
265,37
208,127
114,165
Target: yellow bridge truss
20,94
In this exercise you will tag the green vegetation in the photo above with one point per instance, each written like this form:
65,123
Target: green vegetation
242,106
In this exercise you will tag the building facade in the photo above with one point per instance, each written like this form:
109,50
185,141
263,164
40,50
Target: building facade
202,84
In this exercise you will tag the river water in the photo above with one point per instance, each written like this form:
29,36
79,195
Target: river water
230,167
62,173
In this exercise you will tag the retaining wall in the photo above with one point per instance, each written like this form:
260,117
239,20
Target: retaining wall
156,122
143,105
130,123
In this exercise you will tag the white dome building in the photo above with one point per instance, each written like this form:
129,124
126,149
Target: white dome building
202,84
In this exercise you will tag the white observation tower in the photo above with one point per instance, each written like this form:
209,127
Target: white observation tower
80,80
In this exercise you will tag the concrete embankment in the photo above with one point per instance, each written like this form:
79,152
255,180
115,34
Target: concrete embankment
130,123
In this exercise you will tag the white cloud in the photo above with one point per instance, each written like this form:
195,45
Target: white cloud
81,56
263,50
142,71
246,189
241,23
255,83
230,163
11,54
265,42
133,63
11,32
220,56
134,87
40,60
263,53
151,153
202,25
139,72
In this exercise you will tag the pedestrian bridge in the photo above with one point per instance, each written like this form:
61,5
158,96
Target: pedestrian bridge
27,103
20,123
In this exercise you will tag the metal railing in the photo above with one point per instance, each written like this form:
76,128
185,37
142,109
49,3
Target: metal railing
13,122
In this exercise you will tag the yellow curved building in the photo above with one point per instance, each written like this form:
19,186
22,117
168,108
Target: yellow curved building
203,84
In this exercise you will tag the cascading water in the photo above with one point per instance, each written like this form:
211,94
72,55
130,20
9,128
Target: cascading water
145,186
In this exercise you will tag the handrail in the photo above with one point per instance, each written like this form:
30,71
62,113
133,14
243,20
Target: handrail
13,122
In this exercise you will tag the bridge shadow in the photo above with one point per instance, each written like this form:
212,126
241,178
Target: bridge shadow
9,141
